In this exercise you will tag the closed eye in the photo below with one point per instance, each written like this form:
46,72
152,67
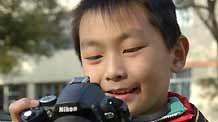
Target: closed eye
135,49
93,57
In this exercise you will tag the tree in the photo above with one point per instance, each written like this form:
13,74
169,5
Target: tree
28,27
206,11
210,18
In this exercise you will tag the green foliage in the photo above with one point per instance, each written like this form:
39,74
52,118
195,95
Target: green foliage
29,27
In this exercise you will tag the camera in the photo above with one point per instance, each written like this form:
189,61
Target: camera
79,101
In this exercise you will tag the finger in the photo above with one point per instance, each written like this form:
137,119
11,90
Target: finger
18,106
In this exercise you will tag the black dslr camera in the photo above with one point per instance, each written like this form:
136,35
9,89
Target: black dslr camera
80,101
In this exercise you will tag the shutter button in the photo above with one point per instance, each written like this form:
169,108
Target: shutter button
28,114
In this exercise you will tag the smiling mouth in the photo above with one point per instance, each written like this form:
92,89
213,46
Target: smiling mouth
122,91
124,94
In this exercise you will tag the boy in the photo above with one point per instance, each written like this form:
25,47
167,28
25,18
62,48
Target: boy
131,48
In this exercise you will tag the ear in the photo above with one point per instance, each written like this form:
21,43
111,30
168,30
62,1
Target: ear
179,54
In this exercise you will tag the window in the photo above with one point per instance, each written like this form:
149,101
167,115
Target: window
16,92
49,89
1,98
12,93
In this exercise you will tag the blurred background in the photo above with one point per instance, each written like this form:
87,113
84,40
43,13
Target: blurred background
37,56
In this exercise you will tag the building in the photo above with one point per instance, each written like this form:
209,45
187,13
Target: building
38,78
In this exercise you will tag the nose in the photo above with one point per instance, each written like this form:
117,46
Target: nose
115,70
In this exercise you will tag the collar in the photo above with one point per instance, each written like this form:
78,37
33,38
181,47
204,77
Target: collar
181,109
176,110
152,117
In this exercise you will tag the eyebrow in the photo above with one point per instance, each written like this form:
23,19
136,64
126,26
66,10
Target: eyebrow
90,43
122,37
135,33
130,33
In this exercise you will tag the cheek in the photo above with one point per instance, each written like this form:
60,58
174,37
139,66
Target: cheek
141,66
93,72
150,70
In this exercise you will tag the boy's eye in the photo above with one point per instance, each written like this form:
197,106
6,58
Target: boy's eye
135,49
93,57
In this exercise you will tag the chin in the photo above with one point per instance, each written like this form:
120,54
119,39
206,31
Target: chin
134,111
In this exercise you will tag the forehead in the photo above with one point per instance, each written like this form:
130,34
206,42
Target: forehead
119,17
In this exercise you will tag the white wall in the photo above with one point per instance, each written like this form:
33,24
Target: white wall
62,66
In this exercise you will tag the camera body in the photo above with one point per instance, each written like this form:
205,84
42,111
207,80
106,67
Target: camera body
80,101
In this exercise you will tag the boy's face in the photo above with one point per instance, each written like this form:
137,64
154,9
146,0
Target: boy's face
127,58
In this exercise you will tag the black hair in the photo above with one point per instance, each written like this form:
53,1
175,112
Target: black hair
162,16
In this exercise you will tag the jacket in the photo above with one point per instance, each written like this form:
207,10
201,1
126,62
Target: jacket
182,110
178,109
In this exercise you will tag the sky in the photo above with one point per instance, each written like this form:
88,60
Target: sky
69,4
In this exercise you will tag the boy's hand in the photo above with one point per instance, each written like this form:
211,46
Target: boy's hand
20,105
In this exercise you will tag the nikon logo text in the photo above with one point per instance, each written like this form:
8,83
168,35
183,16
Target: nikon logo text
68,109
